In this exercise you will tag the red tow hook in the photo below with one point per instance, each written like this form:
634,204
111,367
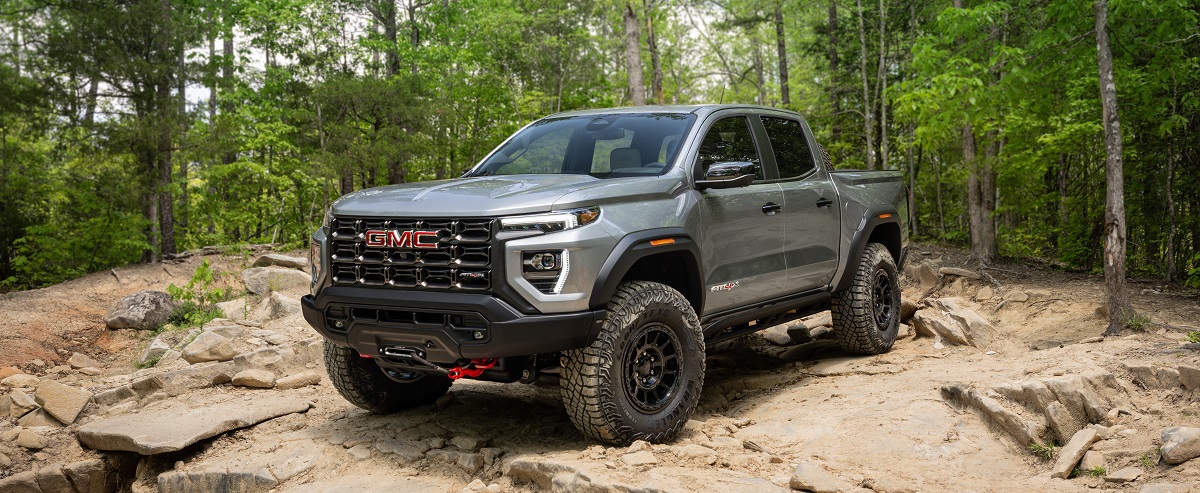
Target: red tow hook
472,370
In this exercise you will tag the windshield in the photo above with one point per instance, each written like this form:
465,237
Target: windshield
600,145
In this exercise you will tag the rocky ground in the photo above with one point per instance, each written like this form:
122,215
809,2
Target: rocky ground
1000,382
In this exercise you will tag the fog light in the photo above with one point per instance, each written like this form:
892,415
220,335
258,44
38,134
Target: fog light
544,261
546,271
339,324
479,335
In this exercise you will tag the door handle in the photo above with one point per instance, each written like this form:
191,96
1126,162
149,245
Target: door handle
824,202
771,208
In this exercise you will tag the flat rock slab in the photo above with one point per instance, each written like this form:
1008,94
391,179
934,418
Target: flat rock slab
237,474
1072,452
814,478
61,401
171,429
839,367
377,484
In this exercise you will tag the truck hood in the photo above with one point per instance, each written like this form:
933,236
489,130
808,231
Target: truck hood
464,197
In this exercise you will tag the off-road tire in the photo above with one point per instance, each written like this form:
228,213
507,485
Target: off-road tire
364,384
866,317
644,318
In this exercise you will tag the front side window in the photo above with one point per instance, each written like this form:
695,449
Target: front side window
729,140
792,154
603,146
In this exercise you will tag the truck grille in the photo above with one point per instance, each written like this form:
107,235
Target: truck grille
459,259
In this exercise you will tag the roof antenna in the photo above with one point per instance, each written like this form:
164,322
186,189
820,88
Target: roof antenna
722,100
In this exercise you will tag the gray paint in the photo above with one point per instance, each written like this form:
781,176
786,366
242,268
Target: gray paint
800,248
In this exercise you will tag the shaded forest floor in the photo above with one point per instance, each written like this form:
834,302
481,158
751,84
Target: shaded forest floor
877,422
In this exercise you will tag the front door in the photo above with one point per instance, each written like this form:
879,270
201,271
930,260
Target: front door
743,228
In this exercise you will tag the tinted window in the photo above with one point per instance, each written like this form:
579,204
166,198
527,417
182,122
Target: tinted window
792,153
729,140
601,145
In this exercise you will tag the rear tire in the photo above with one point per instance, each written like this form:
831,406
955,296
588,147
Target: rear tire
866,317
364,384
641,378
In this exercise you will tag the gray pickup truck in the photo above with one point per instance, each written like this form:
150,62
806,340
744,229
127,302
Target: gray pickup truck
605,249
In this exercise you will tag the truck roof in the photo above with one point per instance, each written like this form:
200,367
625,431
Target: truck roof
699,109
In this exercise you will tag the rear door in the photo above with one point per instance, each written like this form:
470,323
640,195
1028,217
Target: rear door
743,243
810,208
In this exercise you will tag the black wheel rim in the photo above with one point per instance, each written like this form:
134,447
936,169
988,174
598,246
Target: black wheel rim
652,368
883,300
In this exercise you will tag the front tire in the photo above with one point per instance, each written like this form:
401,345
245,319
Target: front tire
641,378
866,317
364,384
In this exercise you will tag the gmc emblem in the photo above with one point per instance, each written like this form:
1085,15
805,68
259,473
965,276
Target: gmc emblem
391,238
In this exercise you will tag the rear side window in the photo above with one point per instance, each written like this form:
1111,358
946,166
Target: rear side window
729,140
792,153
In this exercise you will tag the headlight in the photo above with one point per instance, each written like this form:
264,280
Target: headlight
552,221
314,260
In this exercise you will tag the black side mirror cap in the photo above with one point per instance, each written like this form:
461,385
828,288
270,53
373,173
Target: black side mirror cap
728,175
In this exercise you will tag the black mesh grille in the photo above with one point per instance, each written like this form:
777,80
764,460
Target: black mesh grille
460,257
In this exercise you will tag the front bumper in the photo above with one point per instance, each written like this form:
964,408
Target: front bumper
445,327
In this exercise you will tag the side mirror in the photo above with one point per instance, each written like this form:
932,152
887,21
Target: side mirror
728,175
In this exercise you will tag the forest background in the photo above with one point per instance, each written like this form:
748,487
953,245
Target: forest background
131,130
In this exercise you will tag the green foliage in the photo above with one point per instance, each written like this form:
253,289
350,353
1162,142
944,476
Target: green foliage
1193,336
1138,323
310,105
1045,452
1150,458
198,298
1193,275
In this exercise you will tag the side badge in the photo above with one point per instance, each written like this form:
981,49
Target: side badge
725,287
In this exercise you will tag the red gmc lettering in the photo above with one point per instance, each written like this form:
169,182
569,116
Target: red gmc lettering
401,239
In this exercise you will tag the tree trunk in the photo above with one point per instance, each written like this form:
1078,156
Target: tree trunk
781,43
1170,268
633,57
868,107
760,79
414,31
89,116
656,77
166,109
912,182
211,73
389,32
834,90
1120,312
937,179
227,79
881,84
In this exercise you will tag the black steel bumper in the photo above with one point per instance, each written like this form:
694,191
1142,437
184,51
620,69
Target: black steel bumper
444,327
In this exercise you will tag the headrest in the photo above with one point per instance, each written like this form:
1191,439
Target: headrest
625,157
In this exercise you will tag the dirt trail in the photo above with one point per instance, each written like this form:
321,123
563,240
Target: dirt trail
872,423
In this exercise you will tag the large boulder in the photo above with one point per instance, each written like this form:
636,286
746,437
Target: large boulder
143,311
1180,444
265,280
209,346
949,321
277,260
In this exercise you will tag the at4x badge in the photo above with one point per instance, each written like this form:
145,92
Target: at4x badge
726,287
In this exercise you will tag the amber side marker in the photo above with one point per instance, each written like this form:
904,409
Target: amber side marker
662,241
884,216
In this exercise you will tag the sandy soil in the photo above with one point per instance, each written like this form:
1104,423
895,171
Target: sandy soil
877,422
